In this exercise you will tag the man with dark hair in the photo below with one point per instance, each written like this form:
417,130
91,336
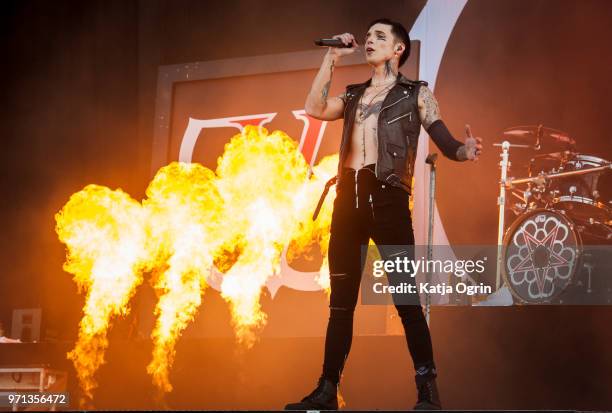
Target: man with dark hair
400,35
382,122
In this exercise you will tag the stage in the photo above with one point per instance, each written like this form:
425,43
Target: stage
163,162
531,360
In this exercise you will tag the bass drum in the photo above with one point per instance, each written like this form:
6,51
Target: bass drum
541,253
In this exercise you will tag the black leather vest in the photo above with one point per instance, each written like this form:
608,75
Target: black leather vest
399,126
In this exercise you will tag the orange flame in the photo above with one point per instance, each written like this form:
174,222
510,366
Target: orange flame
183,209
104,234
317,231
239,221
261,178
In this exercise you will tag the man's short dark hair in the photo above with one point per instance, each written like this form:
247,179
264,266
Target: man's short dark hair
401,34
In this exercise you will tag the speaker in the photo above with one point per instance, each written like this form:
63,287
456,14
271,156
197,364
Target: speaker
26,324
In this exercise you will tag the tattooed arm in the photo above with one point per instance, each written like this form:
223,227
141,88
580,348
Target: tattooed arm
429,112
318,103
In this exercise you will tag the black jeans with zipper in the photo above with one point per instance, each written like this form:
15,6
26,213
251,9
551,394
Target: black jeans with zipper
367,208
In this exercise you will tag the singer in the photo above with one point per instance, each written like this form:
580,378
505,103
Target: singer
382,121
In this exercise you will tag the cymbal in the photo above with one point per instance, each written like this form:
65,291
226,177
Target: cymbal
538,134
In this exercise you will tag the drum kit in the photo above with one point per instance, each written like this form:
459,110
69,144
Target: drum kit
557,249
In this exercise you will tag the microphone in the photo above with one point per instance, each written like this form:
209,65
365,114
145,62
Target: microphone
331,43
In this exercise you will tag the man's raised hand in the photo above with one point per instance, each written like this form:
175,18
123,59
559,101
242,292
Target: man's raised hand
347,39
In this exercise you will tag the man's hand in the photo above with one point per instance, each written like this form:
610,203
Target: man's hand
473,148
347,39
319,104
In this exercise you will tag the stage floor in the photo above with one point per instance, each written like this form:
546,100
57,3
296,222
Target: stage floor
488,358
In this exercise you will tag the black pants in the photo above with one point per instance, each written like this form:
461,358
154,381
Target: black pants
367,208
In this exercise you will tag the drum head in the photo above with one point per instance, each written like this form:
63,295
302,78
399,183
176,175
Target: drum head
541,253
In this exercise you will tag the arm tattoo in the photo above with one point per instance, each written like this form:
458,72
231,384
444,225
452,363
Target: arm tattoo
430,107
325,91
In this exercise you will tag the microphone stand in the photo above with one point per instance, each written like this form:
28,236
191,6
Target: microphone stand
431,161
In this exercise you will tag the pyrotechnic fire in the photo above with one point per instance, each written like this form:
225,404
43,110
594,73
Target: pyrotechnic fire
317,231
183,211
239,220
268,202
104,233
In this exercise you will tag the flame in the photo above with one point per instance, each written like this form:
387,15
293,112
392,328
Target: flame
183,209
104,233
239,220
262,178
317,231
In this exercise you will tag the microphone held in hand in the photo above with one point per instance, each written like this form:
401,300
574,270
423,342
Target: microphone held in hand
332,43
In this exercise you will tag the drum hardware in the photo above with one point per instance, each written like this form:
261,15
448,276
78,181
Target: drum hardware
538,190
588,195
579,195
521,197
569,187
605,227
526,195
501,201
544,176
518,209
593,221
552,162
589,268
528,201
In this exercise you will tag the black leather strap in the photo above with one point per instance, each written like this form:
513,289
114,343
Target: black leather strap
328,185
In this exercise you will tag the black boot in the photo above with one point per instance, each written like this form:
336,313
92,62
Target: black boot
324,397
428,396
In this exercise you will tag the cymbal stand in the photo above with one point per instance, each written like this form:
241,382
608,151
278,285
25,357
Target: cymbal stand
501,202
